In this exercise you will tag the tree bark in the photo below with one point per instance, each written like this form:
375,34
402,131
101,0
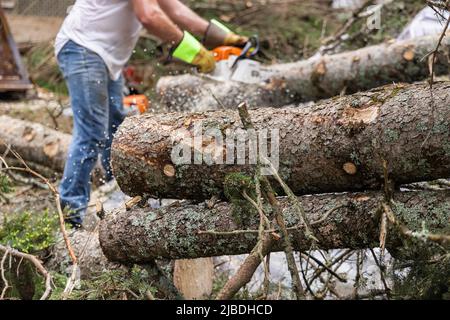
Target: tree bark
312,79
140,235
34,142
336,145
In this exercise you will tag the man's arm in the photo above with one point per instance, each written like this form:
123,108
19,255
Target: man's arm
184,17
213,32
186,47
155,20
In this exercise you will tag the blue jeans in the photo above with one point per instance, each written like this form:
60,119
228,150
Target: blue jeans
97,107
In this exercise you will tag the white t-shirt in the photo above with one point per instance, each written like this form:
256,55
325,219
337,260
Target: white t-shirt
110,28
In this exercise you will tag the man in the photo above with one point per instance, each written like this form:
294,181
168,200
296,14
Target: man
93,45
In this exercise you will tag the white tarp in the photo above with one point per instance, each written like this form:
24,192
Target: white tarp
353,4
426,22
346,4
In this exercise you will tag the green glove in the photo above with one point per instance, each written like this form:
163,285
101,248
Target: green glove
191,51
218,34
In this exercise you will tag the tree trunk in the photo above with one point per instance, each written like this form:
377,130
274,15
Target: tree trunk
336,145
312,79
35,142
140,235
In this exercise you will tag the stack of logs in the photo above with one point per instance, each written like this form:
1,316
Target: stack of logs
333,155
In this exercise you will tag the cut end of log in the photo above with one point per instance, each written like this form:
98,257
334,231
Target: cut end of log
321,68
350,168
169,170
29,134
51,148
356,115
409,55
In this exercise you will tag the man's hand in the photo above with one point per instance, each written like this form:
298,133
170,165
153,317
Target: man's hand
191,51
217,35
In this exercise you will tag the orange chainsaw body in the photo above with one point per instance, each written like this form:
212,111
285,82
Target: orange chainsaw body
224,52
139,101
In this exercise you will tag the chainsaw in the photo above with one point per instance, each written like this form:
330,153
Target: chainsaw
238,64
133,101
136,104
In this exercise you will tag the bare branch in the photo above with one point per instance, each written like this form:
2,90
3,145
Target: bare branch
35,261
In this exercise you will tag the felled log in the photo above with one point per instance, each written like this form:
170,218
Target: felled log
335,145
46,111
34,142
177,231
307,80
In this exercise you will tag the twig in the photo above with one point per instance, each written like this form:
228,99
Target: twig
35,261
438,4
370,294
388,197
432,63
320,263
382,277
268,191
332,42
246,270
307,283
436,50
2,268
263,223
218,101
339,258
359,264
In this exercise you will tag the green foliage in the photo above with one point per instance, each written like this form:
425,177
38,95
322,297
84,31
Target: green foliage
235,184
421,273
115,285
5,184
422,268
29,232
